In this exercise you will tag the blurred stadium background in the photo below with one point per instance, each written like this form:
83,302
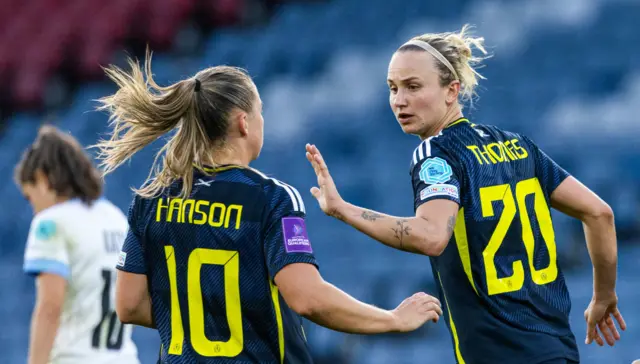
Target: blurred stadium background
565,72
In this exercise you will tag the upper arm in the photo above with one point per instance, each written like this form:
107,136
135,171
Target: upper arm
438,219
131,258
47,250
436,179
286,237
131,282
296,283
50,291
576,200
435,175
131,291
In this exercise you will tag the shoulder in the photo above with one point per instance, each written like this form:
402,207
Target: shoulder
55,219
435,150
277,191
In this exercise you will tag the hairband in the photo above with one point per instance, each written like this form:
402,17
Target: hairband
434,52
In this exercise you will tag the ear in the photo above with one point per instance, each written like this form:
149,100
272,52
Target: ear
453,91
240,120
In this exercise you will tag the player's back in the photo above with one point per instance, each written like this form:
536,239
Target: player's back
210,262
81,243
506,297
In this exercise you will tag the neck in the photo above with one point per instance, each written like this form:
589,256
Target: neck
230,155
453,113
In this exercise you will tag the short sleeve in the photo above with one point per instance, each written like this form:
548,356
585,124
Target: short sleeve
434,174
131,257
286,237
549,173
46,250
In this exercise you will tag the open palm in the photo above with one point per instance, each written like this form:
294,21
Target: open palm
326,193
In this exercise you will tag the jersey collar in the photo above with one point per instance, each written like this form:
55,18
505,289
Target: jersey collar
220,168
459,121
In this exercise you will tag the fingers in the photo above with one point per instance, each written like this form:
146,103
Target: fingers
604,330
591,331
433,316
427,298
315,192
314,164
314,156
428,303
598,338
612,327
432,306
618,316
594,335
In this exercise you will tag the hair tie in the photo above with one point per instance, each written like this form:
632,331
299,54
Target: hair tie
197,88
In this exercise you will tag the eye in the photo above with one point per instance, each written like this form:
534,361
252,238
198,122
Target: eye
393,89
413,87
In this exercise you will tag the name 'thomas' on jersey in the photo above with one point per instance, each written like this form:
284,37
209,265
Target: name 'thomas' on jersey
211,260
504,295
81,243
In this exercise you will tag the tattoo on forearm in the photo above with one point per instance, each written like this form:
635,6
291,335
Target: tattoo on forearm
401,230
451,224
370,215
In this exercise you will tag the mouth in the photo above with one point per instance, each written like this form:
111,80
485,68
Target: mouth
404,118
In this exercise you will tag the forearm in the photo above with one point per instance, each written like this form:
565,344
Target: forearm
44,327
411,234
601,242
330,307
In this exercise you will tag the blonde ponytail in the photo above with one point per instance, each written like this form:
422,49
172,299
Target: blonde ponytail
457,49
463,42
141,111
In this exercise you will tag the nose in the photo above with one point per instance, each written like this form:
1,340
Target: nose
399,99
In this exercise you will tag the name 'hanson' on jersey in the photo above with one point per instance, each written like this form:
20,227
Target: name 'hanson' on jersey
504,295
211,259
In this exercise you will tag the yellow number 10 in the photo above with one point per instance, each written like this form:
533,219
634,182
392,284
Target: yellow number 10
201,345
504,193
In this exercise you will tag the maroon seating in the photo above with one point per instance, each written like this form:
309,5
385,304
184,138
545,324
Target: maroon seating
38,37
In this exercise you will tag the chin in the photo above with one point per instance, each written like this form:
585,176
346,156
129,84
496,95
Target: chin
410,129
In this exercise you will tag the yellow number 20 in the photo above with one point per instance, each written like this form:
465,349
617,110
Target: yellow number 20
504,193
201,345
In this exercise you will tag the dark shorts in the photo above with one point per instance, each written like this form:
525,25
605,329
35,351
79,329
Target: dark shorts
559,361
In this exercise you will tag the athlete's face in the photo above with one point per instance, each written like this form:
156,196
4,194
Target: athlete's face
39,195
416,96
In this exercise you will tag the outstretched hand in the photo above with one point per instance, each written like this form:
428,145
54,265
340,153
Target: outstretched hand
326,192
600,315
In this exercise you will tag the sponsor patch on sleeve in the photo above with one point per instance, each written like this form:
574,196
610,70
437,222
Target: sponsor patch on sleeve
46,229
296,239
439,190
435,170
122,258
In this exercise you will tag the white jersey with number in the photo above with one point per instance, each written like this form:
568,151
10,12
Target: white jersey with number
81,243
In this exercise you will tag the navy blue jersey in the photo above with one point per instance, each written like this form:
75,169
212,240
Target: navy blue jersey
505,297
211,260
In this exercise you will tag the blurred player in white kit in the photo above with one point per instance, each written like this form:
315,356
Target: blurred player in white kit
72,250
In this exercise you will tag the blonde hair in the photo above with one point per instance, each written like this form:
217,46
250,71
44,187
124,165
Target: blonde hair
457,49
198,108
